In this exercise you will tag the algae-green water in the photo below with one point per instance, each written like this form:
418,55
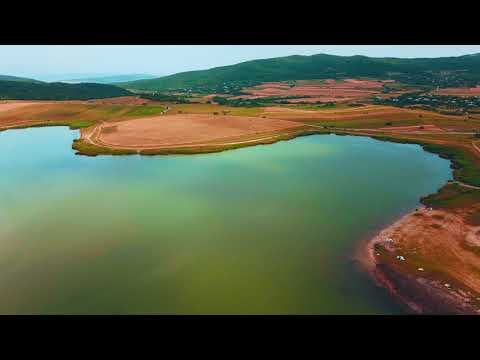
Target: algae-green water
268,229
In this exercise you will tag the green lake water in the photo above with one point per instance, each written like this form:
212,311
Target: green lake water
261,230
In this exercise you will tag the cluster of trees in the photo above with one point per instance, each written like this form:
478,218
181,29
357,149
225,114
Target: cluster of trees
432,101
165,98
253,102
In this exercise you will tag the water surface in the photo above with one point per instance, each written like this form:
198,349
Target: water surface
265,229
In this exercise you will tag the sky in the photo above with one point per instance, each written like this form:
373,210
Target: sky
62,62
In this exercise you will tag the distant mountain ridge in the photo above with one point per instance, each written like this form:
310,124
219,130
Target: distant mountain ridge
111,79
446,71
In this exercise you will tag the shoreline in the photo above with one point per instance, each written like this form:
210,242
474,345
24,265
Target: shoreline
365,255
416,289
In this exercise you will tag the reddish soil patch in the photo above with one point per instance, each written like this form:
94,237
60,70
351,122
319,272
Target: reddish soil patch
371,112
367,83
318,100
329,89
332,114
312,90
13,105
330,82
164,131
286,110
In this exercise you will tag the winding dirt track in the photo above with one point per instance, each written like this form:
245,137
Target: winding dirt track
476,147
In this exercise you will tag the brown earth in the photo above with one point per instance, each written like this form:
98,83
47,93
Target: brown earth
440,265
367,83
17,104
352,113
349,88
6,105
175,130
312,90
35,113
19,112
319,100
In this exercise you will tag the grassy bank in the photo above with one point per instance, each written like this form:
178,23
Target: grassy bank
87,149
453,197
464,163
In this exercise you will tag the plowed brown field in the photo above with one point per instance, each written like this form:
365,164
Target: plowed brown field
173,130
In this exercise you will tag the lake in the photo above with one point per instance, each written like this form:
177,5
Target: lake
268,229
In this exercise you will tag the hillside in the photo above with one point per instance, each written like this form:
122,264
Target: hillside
17,90
448,71
16,78
110,79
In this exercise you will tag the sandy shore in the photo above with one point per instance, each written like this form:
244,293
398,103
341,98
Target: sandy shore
428,261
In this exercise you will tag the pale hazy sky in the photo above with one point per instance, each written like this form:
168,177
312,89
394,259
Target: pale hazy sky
54,62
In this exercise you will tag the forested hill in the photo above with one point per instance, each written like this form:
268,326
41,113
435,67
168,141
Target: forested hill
447,71
16,78
17,90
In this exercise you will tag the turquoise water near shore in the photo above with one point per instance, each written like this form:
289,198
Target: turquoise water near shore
261,230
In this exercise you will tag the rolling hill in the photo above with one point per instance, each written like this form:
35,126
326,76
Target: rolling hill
16,78
21,90
447,71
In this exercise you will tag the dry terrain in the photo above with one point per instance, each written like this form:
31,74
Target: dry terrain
182,129
318,91
430,258
14,114
374,116
7,105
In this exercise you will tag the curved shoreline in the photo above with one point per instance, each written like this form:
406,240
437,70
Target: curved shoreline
414,288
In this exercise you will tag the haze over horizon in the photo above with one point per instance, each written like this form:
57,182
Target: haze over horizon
63,62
